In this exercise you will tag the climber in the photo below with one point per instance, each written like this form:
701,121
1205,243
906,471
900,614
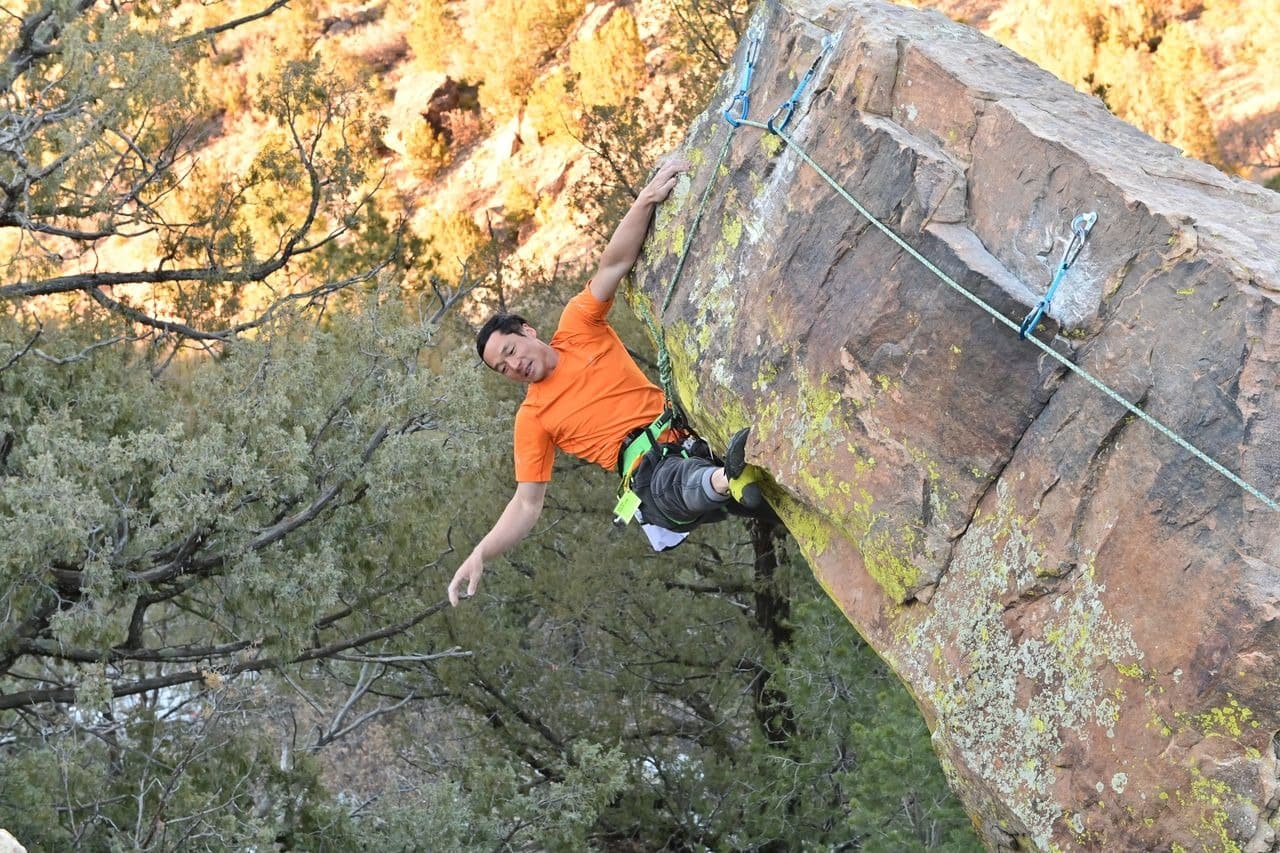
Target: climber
589,398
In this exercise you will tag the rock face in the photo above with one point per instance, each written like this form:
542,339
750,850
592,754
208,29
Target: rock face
1087,615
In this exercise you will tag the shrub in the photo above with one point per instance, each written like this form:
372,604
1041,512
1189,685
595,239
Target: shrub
510,42
428,150
609,63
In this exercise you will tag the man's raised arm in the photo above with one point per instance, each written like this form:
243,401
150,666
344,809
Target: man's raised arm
628,238
522,512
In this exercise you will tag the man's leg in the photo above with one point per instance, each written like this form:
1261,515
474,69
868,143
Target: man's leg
682,490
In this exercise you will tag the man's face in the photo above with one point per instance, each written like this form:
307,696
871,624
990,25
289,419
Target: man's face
521,358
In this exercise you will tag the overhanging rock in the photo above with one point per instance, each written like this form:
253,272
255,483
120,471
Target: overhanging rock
1087,615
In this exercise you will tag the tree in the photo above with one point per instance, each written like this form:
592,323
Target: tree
510,43
212,400
104,189
610,61
1138,57
710,30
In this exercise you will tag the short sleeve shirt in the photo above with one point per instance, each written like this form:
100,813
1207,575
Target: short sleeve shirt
593,398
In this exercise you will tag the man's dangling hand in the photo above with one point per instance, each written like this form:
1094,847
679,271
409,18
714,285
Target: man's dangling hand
470,571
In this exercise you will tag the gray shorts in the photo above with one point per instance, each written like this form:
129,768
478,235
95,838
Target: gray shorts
675,491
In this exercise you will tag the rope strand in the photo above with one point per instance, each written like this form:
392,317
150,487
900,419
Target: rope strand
656,328
1048,350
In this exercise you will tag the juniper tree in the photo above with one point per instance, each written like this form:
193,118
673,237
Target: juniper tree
214,417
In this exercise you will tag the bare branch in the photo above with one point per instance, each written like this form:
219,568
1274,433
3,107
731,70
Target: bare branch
455,652
38,696
29,47
84,353
210,32
17,356
337,730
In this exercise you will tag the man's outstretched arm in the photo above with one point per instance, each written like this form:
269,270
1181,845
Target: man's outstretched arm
628,238
522,512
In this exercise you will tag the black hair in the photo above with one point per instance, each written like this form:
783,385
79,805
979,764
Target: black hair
511,324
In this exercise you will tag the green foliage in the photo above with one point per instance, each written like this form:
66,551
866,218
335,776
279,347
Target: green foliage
65,121
710,31
1137,57
229,794
609,62
433,33
453,238
428,150
624,142
510,42
110,473
861,743
552,110
581,638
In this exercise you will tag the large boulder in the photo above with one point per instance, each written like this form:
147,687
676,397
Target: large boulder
1087,614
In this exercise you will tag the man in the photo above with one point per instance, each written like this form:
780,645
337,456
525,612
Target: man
589,398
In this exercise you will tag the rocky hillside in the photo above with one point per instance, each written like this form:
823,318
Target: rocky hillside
474,142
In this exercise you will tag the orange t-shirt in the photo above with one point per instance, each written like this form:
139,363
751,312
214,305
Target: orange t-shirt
595,396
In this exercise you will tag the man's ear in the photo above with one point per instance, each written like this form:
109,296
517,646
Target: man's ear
529,331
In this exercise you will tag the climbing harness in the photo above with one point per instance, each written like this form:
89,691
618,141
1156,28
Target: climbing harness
648,443
633,449
744,91
1080,228
1079,234
789,106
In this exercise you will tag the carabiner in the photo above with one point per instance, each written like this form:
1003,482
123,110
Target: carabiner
740,98
1080,228
790,107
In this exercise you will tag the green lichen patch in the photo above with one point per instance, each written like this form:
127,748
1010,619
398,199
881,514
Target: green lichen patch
1230,720
999,729
1213,797
811,532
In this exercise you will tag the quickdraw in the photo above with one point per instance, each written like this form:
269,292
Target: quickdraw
789,106
1080,228
744,92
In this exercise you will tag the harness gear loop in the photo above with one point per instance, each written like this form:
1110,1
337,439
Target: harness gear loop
743,96
789,106
1080,228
